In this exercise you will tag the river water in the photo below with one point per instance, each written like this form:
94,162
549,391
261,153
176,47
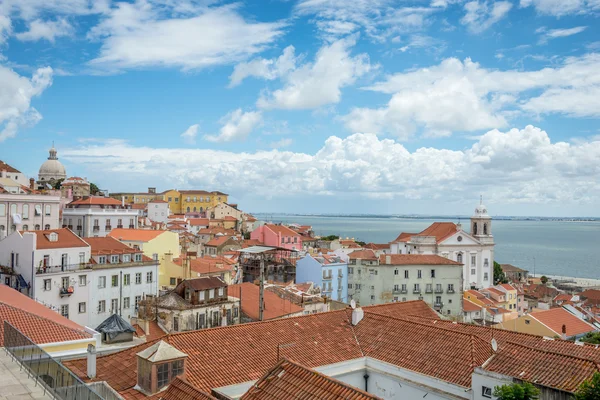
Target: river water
554,247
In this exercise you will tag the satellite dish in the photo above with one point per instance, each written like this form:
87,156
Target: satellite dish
494,345
353,304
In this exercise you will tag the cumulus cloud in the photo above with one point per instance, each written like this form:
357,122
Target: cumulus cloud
519,165
237,125
142,35
481,15
49,30
264,68
562,7
547,35
189,136
464,96
319,83
16,93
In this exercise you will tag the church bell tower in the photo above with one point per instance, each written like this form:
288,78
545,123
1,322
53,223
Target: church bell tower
481,222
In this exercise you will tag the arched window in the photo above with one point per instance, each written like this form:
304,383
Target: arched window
47,227
459,257
13,228
37,227
188,209
13,209
1,228
2,210
25,227
207,199
474,228
485,229
194,209
25,211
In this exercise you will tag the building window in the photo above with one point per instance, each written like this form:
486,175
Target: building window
64,310
459,258
82,307
396,288
82,280
201,295
417,288
138,278
102,306
114,280
47,284
102,260
405,274
350,270
2,210
472,271
114,259
48,209
372,297
149,277
65,283
46,227
137,301
433,273
404,287
37,227
173,281
25,211
451,287
486,392
235,312
418,274
81,258
162,375
25,227
126,279
114,305
473,260
396,272
126,302
138,257
349,286
101,282
485,276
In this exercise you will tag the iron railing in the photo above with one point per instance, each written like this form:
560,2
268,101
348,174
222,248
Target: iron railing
49,373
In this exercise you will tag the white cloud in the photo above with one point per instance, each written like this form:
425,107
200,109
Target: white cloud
143,35
319,83
263,68
517,166
418,41
558,33
16,92
379,19
49,30
463,96
5,28
280,144
562,7
189,136
480,15
237,125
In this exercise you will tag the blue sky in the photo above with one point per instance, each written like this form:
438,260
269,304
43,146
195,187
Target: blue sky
374,106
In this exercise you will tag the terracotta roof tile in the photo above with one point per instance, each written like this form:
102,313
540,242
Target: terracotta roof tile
416,308
415,259
404,237
377,246
362,255
441,230
469,306
65,239
36,321
204,283
275,307
209,265
182,390
198,221
109,245
555,318
95,201
135,235
217,241
290,380
8,168
229,218
282,229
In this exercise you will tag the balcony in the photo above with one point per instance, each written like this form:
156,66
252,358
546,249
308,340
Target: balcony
108,228
96,228
451,291
428,290
70,227
66,291
417,291
403,291
438,305
79,227
439,290
120,226
61,269
131,226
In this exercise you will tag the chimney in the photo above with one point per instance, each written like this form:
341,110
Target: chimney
564,332
91,361
123,201
357,315
31,183
459,226
146,327
388,260
3,173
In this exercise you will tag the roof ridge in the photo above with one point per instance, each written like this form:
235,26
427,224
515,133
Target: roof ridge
556,353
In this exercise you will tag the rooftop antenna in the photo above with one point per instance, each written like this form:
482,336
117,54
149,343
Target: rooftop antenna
480,199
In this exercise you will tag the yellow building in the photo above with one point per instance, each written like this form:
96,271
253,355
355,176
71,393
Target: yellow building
180,201
511,296
153,243
177,269
139,198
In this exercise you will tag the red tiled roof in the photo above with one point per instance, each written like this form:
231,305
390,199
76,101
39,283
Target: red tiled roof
109,245
209,282
290,380
209,265
362,254
495,291
217,241
251,242
198,221
66,239
229,218
441,230
415,259
8,168
469,306
36,321
591,294
182,390
508,286
135,235
555,318
404,237
546,368
415,308
96,201
156,331
282,230
563,297
275,307
377,246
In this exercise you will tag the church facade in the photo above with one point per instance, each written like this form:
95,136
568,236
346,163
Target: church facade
474,249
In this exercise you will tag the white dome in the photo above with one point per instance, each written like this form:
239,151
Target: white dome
52,168
481,210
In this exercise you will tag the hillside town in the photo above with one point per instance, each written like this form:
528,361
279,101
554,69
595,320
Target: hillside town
175,293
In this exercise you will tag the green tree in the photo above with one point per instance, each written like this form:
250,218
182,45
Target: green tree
499,276
57,184
330,237
591,337
544,279
93,189
515,391
590,389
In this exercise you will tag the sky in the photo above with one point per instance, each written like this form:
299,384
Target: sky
313,106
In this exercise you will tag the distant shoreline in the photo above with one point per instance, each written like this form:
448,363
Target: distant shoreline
441,217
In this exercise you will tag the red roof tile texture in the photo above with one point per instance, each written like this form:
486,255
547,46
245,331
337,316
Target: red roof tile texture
65,239
441,230
217,241
281,229
415,259
109,245
182,390
35,320
95,201
275,306
470,306
135,235
362,255
290,380
5,167
555,318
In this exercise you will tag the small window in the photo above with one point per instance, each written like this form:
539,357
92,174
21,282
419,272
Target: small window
102,306
472,271
173,281
126,302
396,272
64,310
405,274
486,392
47,284
137,301
433,273
126,279
82,280
176,368
527,322
82,307
221,291
114,280
114,259
138,278
101,282
372,297
211,293
149,277
418,274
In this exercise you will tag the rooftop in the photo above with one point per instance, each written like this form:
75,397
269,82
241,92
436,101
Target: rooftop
362,255
218,241
282,230
555,318
208,265
64,238
209,282
469,306
109,245
511,268
95,201
8,168
415,259
182,390
275,306
135,235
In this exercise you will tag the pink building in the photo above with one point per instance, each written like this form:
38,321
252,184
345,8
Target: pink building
277,235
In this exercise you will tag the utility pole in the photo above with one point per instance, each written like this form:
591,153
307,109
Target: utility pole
261,288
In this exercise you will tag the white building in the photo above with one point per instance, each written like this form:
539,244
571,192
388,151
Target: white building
96,216
474,249
28,212
158,211
7,171
84,282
